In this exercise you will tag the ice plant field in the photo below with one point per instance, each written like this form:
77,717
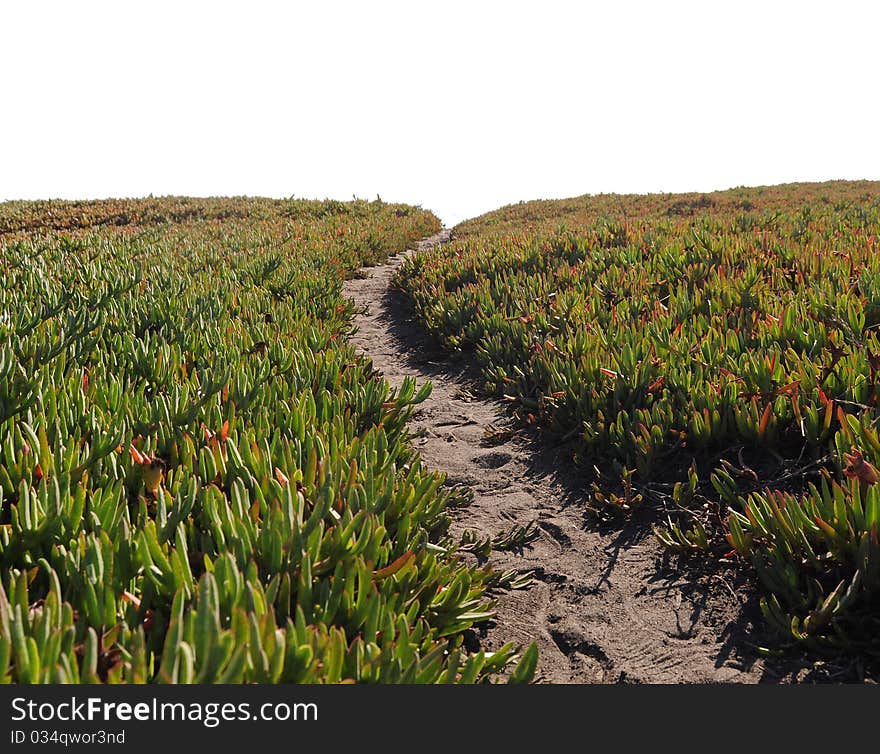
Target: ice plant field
199,481
713,360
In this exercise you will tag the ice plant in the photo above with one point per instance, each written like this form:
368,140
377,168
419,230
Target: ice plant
199,479
712,354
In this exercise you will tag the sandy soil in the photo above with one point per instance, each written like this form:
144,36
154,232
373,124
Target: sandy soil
603,607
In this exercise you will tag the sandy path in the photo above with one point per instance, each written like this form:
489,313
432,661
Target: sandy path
600,608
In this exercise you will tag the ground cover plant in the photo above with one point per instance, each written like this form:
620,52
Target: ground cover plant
713,357
199,480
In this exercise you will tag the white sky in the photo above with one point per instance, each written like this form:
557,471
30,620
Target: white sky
459,106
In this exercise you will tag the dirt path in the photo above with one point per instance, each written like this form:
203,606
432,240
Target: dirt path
600,608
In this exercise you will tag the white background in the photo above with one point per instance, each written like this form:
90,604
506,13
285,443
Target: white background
458,106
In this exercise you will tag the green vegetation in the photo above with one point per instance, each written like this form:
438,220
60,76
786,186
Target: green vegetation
199,481
714,357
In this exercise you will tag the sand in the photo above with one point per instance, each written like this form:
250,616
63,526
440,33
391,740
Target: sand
603,606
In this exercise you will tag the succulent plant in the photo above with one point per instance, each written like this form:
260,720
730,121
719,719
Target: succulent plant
200,481
714,355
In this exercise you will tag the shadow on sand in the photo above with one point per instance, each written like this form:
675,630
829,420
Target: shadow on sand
699,580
